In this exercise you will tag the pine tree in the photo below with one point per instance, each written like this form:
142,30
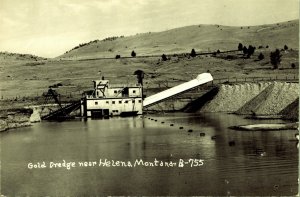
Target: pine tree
240,47
133,54
193,53
275,58
164,57
261,56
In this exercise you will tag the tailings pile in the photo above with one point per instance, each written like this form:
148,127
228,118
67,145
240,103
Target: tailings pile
257,99
232,97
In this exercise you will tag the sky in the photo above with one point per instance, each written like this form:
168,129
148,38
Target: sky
48,28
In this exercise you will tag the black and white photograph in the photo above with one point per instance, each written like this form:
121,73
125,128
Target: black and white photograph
149,98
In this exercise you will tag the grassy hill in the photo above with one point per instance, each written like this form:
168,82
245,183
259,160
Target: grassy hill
10,57
25,78
182,40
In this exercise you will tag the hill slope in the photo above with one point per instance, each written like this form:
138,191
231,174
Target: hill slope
182,40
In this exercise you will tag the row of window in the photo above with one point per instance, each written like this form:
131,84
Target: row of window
116,92
120,102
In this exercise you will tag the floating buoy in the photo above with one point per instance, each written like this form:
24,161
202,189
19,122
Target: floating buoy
202,134
263,154
190,130
231,143
214,137
297,136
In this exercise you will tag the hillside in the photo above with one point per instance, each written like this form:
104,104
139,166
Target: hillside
36,74
182,40
9,57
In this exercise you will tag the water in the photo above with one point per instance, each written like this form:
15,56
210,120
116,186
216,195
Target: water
254,163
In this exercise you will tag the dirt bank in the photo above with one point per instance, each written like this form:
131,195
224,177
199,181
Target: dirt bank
25,116
257,99
14,118
232,97
272,100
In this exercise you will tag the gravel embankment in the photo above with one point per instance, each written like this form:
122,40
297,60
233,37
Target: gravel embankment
279,98
256,98
230,98
291,111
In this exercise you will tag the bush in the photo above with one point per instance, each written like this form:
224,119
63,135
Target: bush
293,65
261,56
140,76
230,57
286,47
118,56
164,57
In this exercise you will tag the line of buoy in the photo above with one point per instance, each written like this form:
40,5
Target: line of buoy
214,137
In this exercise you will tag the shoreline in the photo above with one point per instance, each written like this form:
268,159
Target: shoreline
256,99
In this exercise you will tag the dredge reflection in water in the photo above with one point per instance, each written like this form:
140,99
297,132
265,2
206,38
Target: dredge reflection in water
214,159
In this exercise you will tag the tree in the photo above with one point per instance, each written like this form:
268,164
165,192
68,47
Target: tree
118,56
286,47
261,56
193,53
245,50
140,76
275,58
164,57
240,47
251,50
293,65
133,54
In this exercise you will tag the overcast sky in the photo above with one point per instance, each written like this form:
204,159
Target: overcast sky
48,28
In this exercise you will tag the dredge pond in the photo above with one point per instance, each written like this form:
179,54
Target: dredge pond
145,155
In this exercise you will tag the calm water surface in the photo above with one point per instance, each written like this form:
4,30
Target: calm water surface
235,162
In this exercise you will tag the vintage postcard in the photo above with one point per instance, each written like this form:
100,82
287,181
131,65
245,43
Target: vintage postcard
149,97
